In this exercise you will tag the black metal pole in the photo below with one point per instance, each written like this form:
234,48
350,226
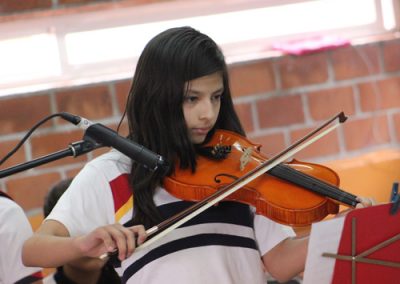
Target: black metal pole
75,149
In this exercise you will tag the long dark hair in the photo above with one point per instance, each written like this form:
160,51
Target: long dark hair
154,107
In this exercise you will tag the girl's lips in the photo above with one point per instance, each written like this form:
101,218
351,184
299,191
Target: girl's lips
200,131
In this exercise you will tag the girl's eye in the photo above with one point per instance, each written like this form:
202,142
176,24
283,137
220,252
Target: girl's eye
217,97
191,99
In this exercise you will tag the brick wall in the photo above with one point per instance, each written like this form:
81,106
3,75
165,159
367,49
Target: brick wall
282,98
278,99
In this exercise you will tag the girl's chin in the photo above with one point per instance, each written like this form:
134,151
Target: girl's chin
197,139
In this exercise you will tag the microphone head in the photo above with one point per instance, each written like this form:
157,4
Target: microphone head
162,166
70,117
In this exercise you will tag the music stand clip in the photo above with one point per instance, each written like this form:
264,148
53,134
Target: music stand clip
395,199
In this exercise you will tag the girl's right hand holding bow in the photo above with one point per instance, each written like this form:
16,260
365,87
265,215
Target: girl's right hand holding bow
111,238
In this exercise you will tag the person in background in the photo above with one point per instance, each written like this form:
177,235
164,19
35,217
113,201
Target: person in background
179,98
81,271
14,230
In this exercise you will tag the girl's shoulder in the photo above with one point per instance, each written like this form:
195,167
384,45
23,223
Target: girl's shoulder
112,156
112,162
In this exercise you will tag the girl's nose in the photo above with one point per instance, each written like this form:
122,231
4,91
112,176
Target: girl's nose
206,110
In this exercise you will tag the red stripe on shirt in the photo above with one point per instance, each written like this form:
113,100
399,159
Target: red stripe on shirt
121,190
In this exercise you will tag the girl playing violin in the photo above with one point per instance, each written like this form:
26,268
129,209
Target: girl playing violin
179,96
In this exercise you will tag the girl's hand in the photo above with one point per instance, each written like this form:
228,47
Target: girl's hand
365,202
110,238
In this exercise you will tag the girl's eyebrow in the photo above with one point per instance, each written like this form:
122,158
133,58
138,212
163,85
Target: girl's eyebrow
195,92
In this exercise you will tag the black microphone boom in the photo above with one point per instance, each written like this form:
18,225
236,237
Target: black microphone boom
108,137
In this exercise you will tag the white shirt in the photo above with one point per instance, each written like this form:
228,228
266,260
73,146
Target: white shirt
217,248
14,230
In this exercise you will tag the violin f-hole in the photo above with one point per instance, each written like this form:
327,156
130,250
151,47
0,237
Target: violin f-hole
217,180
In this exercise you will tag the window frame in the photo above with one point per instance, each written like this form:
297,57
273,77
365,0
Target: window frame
61,25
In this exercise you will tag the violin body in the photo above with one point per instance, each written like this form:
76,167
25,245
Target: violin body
275,198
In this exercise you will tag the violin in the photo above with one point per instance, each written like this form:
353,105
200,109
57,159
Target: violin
230,167
294,193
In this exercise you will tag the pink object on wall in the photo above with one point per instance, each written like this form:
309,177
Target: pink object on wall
310,45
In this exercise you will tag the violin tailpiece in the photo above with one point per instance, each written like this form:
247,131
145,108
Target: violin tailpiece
217,152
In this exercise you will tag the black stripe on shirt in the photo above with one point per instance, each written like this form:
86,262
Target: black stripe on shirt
228,212
30,278
187,243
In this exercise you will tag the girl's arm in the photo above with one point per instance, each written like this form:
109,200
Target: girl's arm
51,245
287,259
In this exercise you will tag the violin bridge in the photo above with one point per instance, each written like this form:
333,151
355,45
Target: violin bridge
245,158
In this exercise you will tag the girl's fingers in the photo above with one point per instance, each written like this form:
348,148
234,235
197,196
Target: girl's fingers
128,237
112,238
130,241
97,242
107,239
140,233
125,238
122,238
365,202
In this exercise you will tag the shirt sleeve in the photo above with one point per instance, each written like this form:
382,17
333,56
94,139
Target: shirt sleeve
14,230
269,233
78,209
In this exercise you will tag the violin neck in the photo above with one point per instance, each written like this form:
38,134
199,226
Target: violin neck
311,183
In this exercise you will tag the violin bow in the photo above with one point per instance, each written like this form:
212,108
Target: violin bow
177,220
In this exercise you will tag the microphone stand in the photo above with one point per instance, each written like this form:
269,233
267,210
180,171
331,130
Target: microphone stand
74,149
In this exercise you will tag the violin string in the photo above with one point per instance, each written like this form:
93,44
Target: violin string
340,194
320,186
312,183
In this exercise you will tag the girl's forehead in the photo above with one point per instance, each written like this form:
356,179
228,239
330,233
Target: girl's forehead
214,79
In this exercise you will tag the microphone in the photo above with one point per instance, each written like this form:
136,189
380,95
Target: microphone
108,137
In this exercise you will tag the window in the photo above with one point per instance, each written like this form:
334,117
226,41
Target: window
85,47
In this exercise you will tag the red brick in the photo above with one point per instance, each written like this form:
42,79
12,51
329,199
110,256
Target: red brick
251,78
384,94
47,144
366,132
280,111
396,119
100,151
304,70
73,173
12,6
91,102
327,145
122,91
271,144
22,113
66,2
351,62
17,158
245,115
391,56
29,192
325,104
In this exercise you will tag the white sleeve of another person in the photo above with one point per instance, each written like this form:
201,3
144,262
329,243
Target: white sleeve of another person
14,230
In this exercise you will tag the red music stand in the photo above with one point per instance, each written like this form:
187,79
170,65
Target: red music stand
369,248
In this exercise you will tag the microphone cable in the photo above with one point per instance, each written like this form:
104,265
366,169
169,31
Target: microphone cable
27,135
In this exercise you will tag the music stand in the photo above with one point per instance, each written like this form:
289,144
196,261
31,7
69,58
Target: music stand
368,250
